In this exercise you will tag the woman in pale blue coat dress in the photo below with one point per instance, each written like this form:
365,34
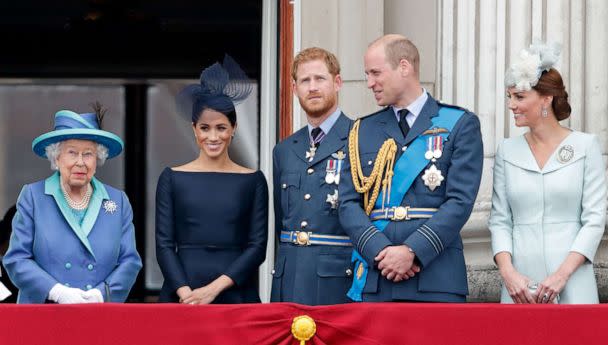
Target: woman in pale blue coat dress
73,239
549,201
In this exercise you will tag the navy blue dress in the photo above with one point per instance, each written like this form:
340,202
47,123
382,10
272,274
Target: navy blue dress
209,224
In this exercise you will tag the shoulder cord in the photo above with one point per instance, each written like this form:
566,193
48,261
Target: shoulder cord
385,160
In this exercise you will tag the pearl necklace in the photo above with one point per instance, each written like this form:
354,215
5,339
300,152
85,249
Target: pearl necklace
83,204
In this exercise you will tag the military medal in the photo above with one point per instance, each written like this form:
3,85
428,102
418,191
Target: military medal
432,177
437,147
330,171
339,156
434,148
310,154
338,169
332,199
428,155
565,154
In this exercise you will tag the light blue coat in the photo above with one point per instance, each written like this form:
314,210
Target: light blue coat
49,246
540,215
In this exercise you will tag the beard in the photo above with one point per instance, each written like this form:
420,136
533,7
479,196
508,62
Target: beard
318,107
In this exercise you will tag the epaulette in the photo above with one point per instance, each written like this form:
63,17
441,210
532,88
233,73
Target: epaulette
372,114
441,104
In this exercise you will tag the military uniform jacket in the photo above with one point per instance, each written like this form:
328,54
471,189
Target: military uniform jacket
315,274
435,241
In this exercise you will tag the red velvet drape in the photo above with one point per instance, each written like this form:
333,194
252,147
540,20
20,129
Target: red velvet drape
363,323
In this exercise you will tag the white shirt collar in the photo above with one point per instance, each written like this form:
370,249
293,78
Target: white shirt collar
414,108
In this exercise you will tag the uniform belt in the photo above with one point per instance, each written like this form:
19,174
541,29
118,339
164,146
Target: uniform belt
307,238
400,213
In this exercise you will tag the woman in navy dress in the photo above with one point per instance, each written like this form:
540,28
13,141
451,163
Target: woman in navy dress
211,213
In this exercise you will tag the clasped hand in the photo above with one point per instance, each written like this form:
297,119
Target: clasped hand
396,263
202,295
67,295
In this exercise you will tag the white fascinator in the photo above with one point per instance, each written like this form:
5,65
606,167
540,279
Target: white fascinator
526,71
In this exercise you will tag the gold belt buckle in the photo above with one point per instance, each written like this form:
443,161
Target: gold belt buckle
401,213
302,238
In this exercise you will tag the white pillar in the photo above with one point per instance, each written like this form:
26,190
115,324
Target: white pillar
465,54
596,73
576,54
486,77
519,31
446,59
268,120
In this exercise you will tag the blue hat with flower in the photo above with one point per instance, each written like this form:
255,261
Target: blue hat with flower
71,125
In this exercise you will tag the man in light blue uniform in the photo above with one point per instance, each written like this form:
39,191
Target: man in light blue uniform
407,235
313,264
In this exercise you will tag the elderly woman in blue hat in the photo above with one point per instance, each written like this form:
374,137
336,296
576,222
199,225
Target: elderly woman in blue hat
73,239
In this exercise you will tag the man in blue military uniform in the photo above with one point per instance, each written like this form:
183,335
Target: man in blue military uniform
313,264
416,169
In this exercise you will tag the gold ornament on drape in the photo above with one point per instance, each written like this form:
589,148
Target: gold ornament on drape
303,328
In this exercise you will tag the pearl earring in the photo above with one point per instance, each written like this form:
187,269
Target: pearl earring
544,112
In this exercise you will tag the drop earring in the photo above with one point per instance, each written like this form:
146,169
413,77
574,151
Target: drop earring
544,112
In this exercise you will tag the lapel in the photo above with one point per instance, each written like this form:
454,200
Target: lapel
423,121
389,124
518,153
52,187
574,141
334,140
300,143
99,195
82,231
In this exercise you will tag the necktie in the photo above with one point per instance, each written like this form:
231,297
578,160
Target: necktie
403,122
316,136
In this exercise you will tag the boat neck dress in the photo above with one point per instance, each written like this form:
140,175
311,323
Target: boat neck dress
209,224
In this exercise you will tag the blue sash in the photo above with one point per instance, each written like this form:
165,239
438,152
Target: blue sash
407,168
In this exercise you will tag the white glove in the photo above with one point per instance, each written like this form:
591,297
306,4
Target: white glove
66,295
93,296
4,292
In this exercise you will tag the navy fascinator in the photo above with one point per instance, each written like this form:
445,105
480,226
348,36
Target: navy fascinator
221,88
